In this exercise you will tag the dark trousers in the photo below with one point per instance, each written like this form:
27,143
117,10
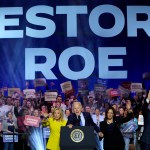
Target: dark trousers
1,143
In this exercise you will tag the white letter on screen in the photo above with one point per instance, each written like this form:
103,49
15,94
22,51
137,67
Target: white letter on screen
133,24
94,20
4,22
85,54
49,25
71,12
31,67
104,62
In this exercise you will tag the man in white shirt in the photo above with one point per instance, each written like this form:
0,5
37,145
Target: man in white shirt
97,118
5,108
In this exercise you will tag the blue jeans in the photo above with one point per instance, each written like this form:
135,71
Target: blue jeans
127,142
8,146
98,142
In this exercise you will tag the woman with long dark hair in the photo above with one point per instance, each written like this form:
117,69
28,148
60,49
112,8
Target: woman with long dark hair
109,130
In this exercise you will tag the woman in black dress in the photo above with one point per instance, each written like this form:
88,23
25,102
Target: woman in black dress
113,139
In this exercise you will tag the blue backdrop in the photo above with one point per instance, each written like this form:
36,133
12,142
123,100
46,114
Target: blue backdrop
13,46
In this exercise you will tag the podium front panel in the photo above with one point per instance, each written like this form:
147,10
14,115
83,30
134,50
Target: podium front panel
77,138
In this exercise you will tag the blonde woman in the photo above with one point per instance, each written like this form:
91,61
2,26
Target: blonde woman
55,122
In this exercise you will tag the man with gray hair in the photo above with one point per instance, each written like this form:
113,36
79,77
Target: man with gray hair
79,118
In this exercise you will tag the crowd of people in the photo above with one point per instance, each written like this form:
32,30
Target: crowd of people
115,120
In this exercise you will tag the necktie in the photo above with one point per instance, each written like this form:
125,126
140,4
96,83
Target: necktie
80,121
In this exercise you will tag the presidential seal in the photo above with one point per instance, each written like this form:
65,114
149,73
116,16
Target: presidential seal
77,135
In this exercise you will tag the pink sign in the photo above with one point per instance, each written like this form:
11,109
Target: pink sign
32,121
114,93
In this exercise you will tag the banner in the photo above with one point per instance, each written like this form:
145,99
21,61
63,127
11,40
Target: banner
129,128
10,138
114,93
29,93
46,133
39,82
12,91
50,96
71,40
125,92
126,85
32,121
141,120
83,87
66,86
136,87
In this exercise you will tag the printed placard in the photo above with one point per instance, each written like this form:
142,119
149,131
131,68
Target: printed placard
114,93
46,133
66,87
12,91
99,88
29,93
136,87
141,120
39,82
129,127
126,85
32,121
125,92
10,138
50,96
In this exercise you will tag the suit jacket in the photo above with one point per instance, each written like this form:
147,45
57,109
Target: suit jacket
113,138
75,121
146,133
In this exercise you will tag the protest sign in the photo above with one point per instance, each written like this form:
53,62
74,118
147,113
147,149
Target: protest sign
66,86
125,92
129,128
39,82
29,93
141,120
83,87
46,133
114,93
12,91
10,138
32,121
126,85
50,96
136,87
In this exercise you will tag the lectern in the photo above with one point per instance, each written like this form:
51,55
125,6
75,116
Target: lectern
77,138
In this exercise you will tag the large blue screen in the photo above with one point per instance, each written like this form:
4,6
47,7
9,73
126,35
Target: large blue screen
73,39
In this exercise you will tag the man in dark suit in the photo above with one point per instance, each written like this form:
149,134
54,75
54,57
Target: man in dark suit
146,133
79,118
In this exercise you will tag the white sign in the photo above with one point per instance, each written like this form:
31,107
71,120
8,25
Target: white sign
29,93
124,91
136,87
66,86
12,91
50,96
141,120
39,82
99,88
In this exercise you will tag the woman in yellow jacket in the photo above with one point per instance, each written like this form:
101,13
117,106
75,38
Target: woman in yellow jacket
55,122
